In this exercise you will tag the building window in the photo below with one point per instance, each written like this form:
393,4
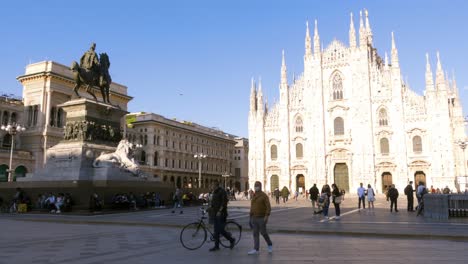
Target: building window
53,112
338,125
5,118
156,158
6,141
274,152
384,146
157,140
299,151
146,140
165,163
337,84
167,143
13,118
417,144
299,124
143,157
60,117
383,119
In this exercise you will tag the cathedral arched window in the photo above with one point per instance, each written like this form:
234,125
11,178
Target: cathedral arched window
274,152
299,151
337,85
384,146
338,125
417,144
299,126
383,119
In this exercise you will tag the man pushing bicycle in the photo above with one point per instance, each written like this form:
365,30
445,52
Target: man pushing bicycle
218,210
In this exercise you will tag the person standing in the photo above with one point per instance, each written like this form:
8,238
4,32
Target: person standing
219,211
285,194
325,197
314,192
409,196
370,196
361,192
336,194
393,195
421,191
277,195
178,201
260,210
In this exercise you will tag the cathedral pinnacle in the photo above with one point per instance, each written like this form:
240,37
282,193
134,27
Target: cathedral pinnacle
316,39
429,78
362,31
253,96
352,33
368,28
284,79
395,62
440,80
308,45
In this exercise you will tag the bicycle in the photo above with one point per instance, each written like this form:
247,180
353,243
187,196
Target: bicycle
194,235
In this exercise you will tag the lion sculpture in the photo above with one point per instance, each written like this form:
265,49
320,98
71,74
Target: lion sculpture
122,157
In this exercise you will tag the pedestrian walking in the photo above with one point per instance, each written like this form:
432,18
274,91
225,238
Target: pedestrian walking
421,191
314,192
325,199
336,194
218,210
178,201
296,194
370,196
277,195
285,194
259,213
409,196
361,192
393,195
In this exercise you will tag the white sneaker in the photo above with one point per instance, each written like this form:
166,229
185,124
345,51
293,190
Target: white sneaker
253,252
337,218
270,249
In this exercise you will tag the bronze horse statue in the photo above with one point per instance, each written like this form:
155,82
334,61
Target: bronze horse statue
89,79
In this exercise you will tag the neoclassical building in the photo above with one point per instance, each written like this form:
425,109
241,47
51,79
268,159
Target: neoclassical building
350,118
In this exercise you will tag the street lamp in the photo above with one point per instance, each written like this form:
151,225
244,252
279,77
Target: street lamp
463,145
225,175
199,156
12,130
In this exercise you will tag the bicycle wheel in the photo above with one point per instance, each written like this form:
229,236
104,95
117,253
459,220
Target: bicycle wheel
193,236
235,230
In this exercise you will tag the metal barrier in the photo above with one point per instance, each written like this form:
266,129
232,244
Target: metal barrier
458,205
436,206
443,206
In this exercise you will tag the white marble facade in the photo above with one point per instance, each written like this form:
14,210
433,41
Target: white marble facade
350,118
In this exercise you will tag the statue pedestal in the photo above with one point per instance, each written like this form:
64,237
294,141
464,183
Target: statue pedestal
92,128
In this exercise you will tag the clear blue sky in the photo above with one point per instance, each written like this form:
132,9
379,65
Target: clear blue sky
209,50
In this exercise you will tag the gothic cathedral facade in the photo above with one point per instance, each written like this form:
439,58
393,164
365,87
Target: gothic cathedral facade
350,118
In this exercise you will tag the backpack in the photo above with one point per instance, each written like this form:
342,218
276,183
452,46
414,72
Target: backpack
407,190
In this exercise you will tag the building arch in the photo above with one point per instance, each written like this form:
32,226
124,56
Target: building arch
21,171
274,182
338,126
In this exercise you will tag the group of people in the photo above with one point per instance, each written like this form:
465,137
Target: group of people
321,200
54,203
133,202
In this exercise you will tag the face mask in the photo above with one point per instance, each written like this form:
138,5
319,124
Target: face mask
257,189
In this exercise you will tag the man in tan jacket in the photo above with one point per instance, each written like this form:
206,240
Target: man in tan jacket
259,212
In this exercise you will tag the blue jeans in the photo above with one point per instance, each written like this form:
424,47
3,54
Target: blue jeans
325,209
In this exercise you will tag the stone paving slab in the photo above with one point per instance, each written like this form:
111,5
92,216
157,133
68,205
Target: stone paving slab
33,242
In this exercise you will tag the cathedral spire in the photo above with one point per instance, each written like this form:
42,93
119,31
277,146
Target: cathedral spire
429,78
284,78
260,106
308,44
386,61
395,62
440,80
368,28
316,40
362,31
253,96
352,33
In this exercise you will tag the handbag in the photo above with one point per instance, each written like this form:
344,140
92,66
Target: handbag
338,199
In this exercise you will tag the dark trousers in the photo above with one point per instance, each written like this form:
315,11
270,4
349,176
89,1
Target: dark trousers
410,202
259,227
337,209
393,204
277,199
363,200
219,225
285,199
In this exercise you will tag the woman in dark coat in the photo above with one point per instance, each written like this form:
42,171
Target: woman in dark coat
336,194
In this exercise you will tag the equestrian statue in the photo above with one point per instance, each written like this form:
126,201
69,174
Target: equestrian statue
92,72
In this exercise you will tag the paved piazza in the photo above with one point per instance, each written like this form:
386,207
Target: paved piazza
366,236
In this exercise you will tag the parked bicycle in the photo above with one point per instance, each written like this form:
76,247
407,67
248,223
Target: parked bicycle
194,235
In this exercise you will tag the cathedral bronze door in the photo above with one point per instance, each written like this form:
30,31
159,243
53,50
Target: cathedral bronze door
274,182
419,176
300,183
387,181
341,176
